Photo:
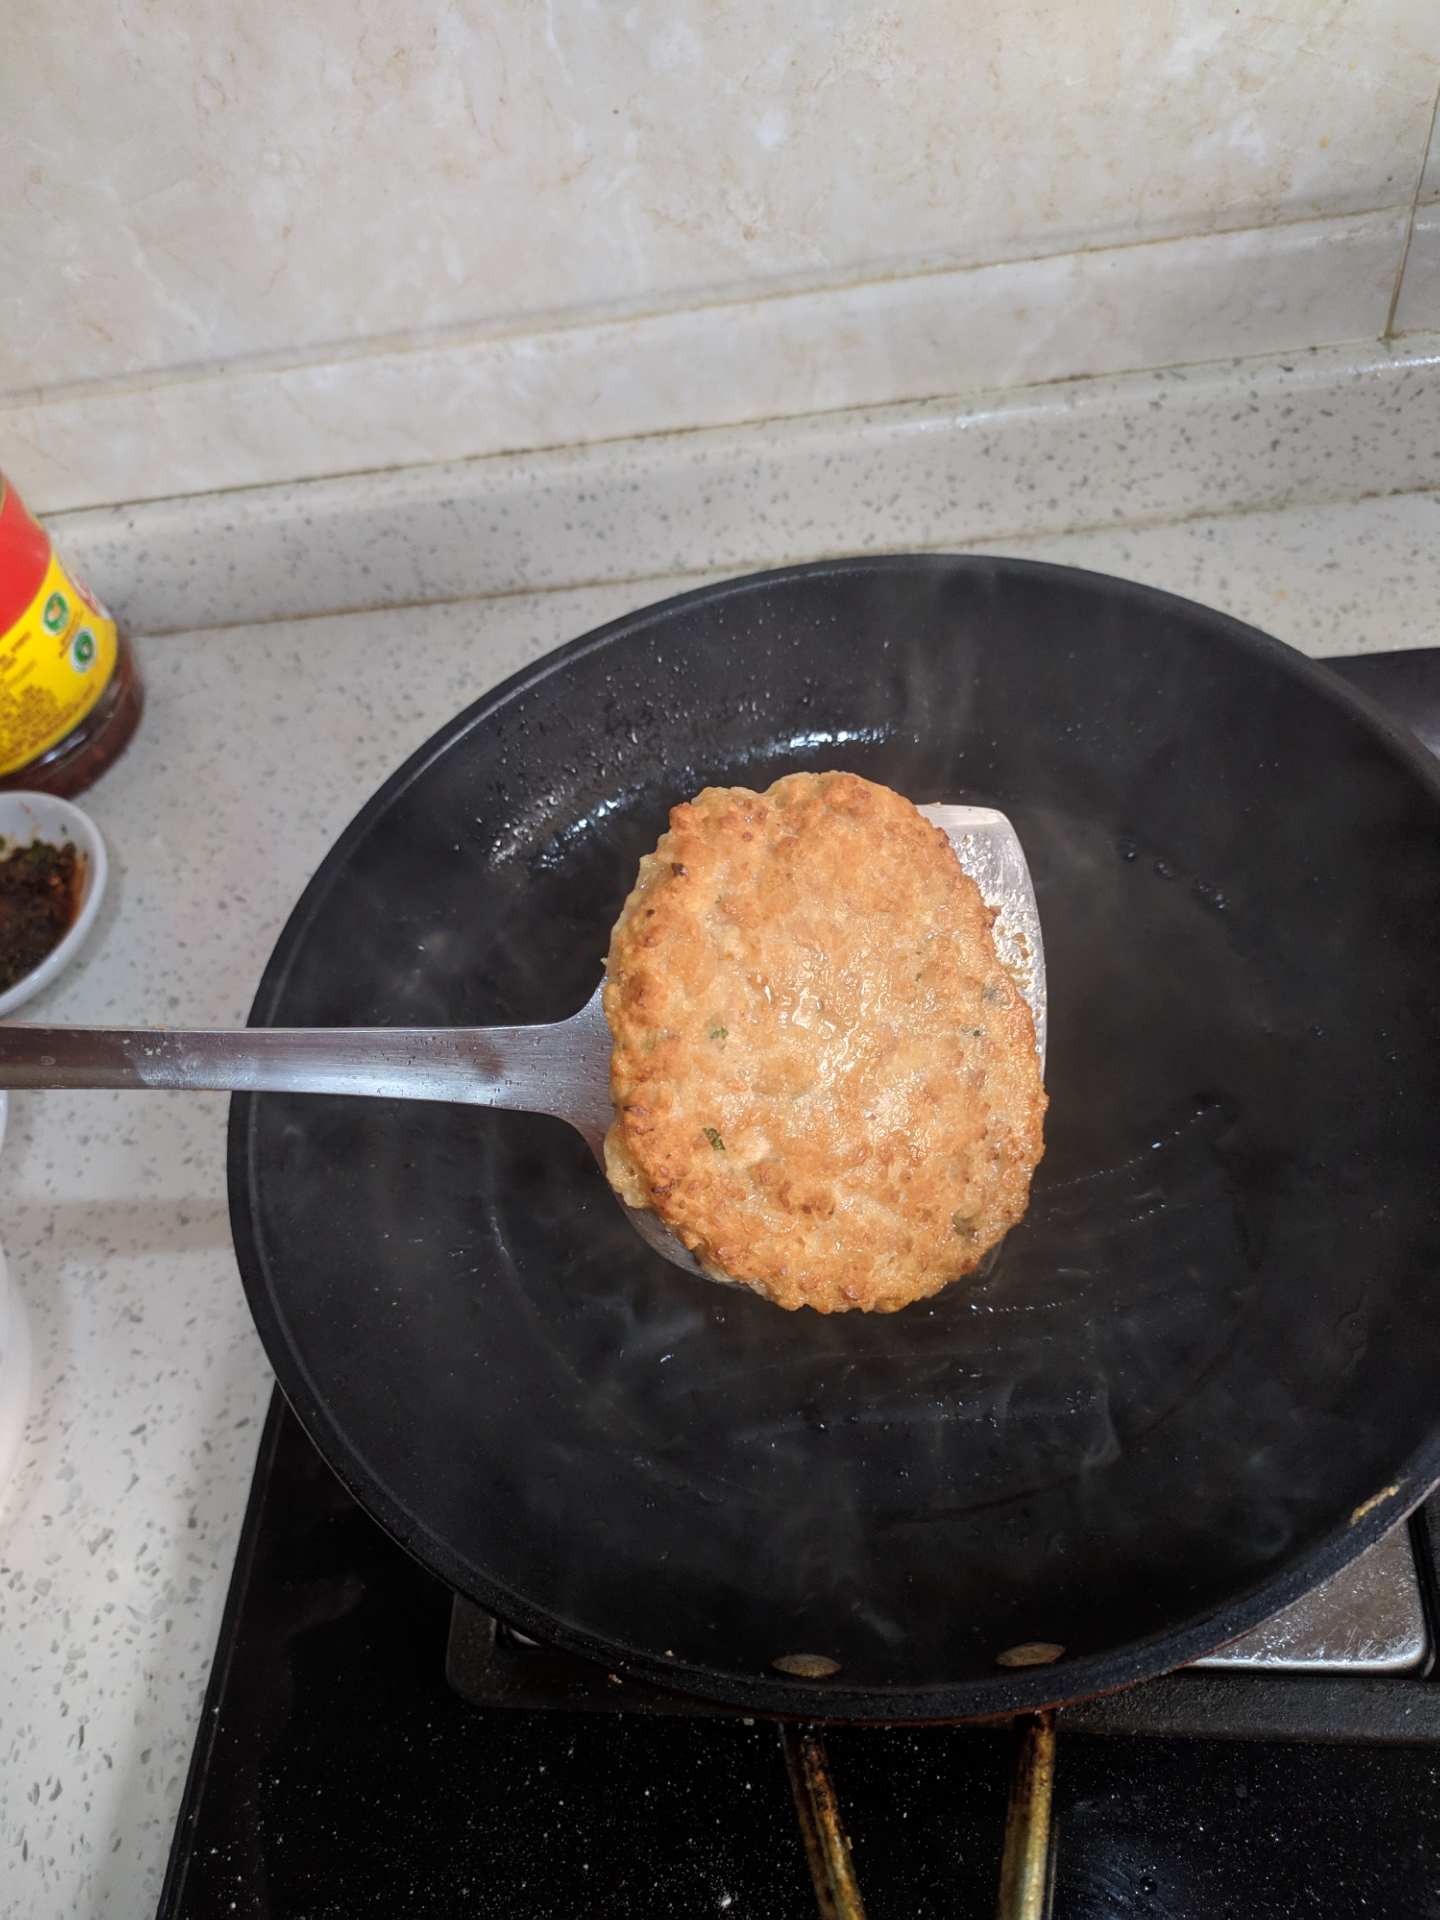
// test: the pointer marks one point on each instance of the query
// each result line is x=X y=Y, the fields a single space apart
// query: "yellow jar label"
x=55 y=662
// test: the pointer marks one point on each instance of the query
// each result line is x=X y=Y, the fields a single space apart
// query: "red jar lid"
x=24 y=556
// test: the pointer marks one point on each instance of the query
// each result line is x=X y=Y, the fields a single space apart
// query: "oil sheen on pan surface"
x=1213 y=1338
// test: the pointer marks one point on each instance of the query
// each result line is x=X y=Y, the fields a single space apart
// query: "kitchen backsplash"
x=247 y=244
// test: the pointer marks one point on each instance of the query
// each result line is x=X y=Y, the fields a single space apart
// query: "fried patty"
x=825 y=1082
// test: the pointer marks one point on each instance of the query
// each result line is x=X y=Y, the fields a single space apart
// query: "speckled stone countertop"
x=118 y=1529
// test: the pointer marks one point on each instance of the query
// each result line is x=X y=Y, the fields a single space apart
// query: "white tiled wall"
x=246 y=242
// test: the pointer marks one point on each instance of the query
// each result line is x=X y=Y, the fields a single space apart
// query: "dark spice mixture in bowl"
x=40 y=888
x=53 y=872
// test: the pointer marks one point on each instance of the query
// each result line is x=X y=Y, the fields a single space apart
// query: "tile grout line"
x=1389 y=332
x=979 y=407
x=553 y=322
x=585 y=385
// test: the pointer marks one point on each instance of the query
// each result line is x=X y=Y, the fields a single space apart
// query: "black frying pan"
x=1210 y=1346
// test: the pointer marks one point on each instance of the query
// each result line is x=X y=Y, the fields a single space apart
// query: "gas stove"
x=373 y=1744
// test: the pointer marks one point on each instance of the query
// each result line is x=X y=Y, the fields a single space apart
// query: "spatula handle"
x=561 y=1069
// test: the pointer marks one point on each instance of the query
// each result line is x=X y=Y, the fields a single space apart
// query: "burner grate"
x=336 y=1772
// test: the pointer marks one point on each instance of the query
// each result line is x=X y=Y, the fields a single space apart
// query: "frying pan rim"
x=1005 y=1692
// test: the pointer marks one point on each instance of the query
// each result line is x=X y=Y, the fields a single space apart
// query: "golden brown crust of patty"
x=825 y=1082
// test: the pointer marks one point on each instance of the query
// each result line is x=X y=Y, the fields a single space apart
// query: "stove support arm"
x=827 y=1846
x=1026 y=1866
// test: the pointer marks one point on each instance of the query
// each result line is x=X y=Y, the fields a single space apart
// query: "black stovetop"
x=338 y=1773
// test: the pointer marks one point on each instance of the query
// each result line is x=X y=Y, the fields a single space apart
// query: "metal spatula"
x=563 y=1069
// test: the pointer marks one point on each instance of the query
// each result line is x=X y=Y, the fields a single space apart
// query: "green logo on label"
x=82 y=650
x=57 y=612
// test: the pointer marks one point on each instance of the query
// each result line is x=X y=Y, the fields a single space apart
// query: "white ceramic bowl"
x=41 y=816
